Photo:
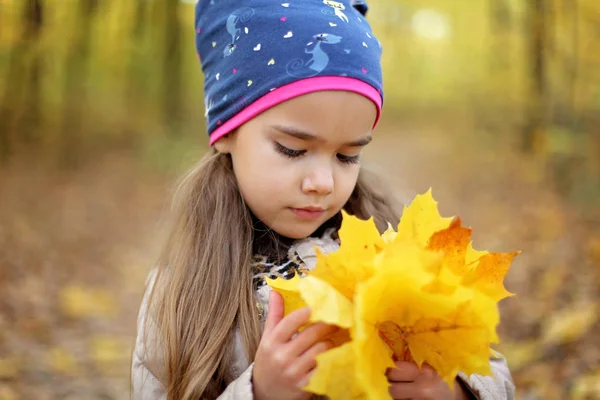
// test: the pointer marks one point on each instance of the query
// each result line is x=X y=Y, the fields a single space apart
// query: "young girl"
x=293 y=92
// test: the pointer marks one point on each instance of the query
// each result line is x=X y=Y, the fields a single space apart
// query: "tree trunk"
x=136 y=84
x=493 y=117
x=171 y=82
x=73 y=87
x=536 y=24
x=573 y=60
x=30 y=120
x=500 y=19
x=15 y=107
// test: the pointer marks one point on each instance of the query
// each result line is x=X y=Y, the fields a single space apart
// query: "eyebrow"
x=302 y=135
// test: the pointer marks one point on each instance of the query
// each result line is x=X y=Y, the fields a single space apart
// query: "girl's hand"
x=284 y=362
x=410 y=382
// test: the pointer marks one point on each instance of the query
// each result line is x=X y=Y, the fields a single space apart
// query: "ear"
x=224 y=144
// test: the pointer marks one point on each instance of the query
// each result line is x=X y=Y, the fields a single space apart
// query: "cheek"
x=346 y=181
x=261 y=173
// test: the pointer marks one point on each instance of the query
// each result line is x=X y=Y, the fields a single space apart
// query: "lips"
x=312 y=209
x=309 y=213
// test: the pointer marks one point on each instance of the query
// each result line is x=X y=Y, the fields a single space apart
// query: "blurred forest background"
x=495 y=104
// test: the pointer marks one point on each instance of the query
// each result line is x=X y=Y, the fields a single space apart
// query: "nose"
x=319 y=181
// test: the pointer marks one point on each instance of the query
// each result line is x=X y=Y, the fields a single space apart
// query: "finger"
x=290 y=324
x=428 y=372
x=403 y=391
x=404 y=372
x=305 y=380
x=307 y=361
x=427 y=369
x=275 y=312
x=308 y=337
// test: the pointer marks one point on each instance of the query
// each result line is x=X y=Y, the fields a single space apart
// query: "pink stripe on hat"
x=295 y=89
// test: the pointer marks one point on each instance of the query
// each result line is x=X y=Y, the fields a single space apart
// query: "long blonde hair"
x=204 y=291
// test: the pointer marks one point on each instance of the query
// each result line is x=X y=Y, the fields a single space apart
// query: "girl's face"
x=297 y=163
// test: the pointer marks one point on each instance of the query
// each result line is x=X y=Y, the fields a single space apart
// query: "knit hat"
x=256 y=54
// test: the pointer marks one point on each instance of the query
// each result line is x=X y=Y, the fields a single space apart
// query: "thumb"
x=276 y=311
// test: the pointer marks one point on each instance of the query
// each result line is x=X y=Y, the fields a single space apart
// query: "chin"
x=297 y=232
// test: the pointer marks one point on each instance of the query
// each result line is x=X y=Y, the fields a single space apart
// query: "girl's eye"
x=291 y=153
x=348 y=159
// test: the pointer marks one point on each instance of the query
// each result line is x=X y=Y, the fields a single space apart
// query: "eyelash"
x=290 y=153
x=348 y=159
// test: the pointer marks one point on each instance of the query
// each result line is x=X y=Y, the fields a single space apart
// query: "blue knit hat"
x=258 y=53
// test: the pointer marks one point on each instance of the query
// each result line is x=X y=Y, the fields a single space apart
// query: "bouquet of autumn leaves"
x=420 y=294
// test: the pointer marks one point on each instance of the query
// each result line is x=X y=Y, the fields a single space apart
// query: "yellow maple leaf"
x=389 y=235
x=472 y=256
x=374 y=357
x=488 y=274
x=352 y=263
x=420 y=220
x=420 y=294
x=480 y=269
x=325 y=302
x=342 y=271
x=361 y=238
x=339 y=337
x=288 y=289
x=327 y=380
x=453 y=243
x=429 y=324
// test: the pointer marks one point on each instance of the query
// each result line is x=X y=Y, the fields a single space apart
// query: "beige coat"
x=146 y=378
